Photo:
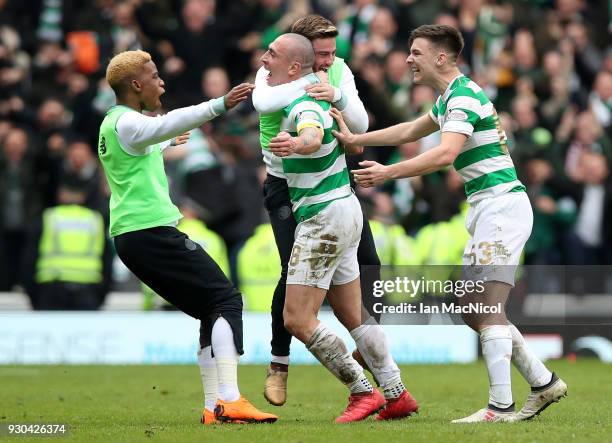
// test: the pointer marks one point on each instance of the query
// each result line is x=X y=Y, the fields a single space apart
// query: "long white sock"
x=208 y=371
x=497 y=350
x=530 y=367
x=331 y=351
x=373 y=346
x=226 y=358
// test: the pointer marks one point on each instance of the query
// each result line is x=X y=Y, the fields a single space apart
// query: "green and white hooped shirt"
x=315 y=180
x=484 y=162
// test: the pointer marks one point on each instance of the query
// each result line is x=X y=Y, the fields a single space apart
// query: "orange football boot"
x=241 y=411
x=208 y=417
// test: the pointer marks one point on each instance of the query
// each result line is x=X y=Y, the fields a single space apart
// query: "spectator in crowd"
x=553 y=210
x=587 y=57
x=195 y=47
x=589 y=243
x=354 y=25
x=82 y=168
x=125 y=31
x=559 y=100
x=586 y=136
x=525 y=56
x=20 y=201
x=397 y=80
x=529 y=137
x=382 y=31
x=600 y=99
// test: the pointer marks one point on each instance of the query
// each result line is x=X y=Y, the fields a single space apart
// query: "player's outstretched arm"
x=267 y=99
x=443 y=155
x=391 y=136
x=308 y=141
x=137 y=131
x=238 y=94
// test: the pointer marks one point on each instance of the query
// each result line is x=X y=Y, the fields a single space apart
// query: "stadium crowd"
x=544 y=63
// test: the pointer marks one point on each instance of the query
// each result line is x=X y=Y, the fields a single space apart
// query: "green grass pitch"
x=162 y=403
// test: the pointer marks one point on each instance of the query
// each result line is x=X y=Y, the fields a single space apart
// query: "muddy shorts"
x=325 y=247
x=499 y=227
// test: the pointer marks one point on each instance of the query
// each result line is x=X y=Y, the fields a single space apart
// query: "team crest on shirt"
x=457 y=115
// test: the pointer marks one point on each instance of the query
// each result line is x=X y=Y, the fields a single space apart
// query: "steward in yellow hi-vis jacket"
x=69 y=248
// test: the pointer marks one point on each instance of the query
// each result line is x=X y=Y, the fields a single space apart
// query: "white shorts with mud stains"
x=499 y=227
x=325 y=247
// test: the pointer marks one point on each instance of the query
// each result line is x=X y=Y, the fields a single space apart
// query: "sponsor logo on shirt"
x=102 y=146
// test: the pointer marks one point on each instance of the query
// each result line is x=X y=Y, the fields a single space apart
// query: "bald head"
x=299 y=49
x=288 y=58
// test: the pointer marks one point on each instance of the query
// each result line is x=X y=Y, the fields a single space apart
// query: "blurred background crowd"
x=546 y=64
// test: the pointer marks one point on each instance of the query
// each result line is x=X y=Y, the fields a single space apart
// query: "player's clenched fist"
x=283 y=144
x=238 y=94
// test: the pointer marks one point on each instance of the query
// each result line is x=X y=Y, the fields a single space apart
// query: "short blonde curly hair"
x=124 y=66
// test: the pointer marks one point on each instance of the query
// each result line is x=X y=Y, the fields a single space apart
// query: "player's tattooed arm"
x=307 y=142
x=311 y=140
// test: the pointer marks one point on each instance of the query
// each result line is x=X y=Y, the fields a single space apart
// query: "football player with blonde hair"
x=143 y=223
